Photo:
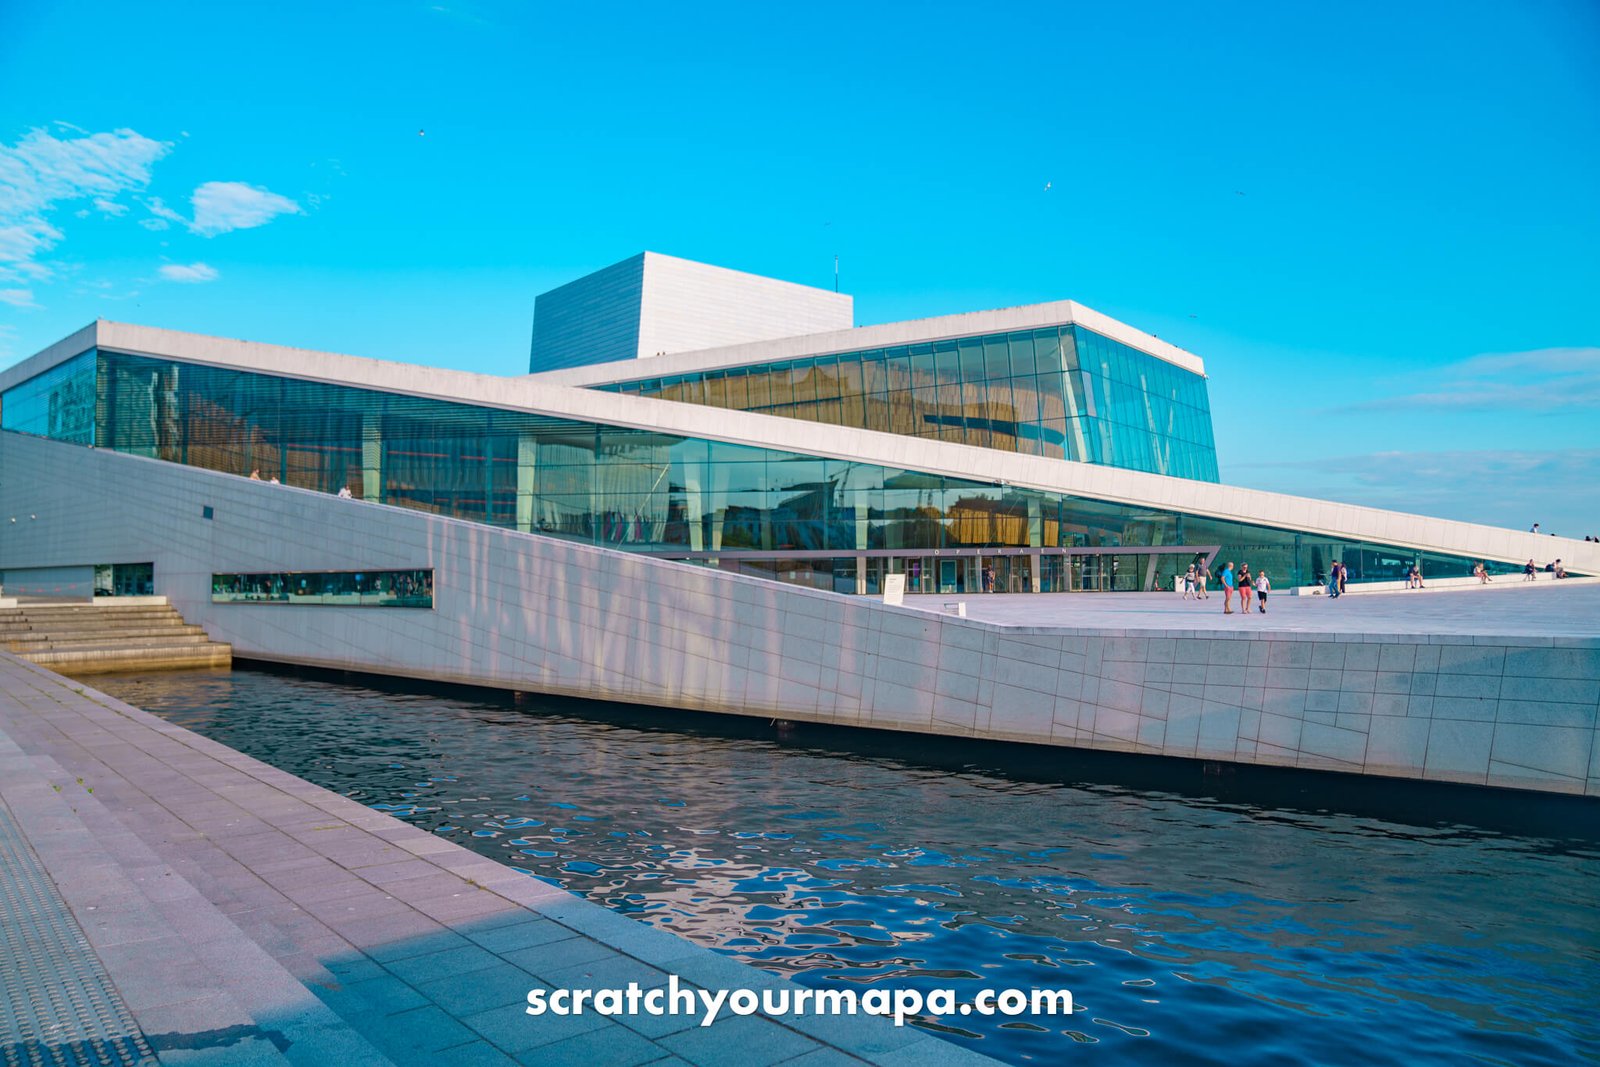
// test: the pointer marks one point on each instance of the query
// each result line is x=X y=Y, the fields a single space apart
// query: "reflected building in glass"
x=1038 y=449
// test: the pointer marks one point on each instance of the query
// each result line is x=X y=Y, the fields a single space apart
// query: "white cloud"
x=17 y=298
x=163 y=213
x=110 y=207
x=20 y=242
x=193 y=272
x=42 y=171
x=1512 y=488
x=1545 y=379
x=223 y=206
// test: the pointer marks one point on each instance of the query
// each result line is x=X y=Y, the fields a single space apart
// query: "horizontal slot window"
x=342 y=589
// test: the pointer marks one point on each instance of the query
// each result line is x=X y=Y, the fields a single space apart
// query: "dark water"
x=1197 y=928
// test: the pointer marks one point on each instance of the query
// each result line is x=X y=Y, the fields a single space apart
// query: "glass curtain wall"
x=785 y=515
x=1063 y=392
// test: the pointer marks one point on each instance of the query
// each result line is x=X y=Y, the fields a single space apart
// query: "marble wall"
x=529 y=613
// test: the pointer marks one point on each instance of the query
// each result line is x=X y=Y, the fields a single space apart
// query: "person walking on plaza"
x=1263 y=587
x=1344 y=572
x=1188 y=582
x=1246 y=590
x=1530 y=572
x=1227 y=588
x=1202 y=577
x=1333 y=581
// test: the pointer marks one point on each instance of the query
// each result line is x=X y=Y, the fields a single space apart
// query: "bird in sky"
x=422 y=133
x=1047 y=187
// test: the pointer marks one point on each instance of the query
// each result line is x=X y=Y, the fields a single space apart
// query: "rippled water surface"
x=1200 y=928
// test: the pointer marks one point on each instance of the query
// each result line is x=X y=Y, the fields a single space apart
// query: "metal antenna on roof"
x=836 y=274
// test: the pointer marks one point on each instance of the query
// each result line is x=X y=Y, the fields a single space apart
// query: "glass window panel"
x=996 y=358
x=923 y=375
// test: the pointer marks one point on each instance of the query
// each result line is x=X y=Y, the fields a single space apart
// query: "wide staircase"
x=80 y=638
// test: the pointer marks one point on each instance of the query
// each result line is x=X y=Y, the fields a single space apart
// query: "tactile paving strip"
x=57 y=1005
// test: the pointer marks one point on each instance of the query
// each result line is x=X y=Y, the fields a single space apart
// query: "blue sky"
x=1378 y=224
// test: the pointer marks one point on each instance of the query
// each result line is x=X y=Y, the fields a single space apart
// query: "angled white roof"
x=1026 y=317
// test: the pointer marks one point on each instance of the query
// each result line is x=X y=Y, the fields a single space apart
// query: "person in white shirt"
x=1263 y=587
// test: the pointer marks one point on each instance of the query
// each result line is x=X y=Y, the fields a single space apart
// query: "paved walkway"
x=1509 y=607
x=239 y=915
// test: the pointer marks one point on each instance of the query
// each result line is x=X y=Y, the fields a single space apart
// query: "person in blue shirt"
x=1227 y=589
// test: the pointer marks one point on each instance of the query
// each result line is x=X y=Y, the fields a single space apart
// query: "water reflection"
x=1189 y=929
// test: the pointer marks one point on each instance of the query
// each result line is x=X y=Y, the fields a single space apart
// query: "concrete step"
x=66 y=614
x=89 y=623
x=107 y=660
x=43 y=642
x=61 y=633
x=98 y=638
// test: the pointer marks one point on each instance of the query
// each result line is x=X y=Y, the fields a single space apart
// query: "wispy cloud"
x=1559 y=489
x=192 y=272
x=461 y=12
x=42 y=171
x=17 y=298
x=1546 y=379
x=220 y=207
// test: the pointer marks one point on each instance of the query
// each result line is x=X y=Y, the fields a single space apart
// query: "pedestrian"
x=1344 y=572
x=255 y=474
x=1246 y=588
x=988 y=578
x=1227 y=588
x=1534 y=528
x=1333 y=581
x=1188 y=582
x=1202 y=576
x=1263 y=587
x=1529 y=571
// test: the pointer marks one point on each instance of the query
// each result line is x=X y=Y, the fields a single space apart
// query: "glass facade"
x=830 y=523
x=1063 y=392
x=345 y=589
x=60 y=403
